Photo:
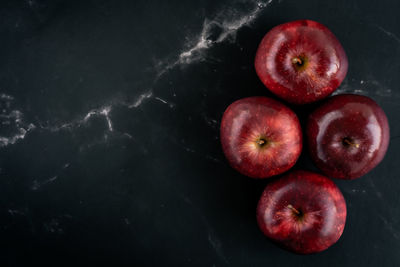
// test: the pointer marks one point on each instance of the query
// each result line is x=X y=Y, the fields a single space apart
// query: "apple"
x=348 y=136
x=260 y=137
x=301 y=61
x=304 y=212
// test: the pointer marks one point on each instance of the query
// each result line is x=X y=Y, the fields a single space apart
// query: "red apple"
x=348 y=136
x=260 y=137
x=304 y=212
x=301 y=61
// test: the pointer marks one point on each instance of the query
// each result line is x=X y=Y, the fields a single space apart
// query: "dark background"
x=109 y=146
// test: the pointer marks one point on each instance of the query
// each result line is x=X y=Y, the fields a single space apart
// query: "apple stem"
x=293 y=209
x=297 y=61
x=350 y=143
x=261 y=142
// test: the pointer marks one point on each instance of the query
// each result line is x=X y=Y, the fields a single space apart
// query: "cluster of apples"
x=347 y=136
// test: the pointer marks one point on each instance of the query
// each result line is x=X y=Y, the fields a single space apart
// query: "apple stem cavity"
x=350 y=143
x=261 y=142
x=297 y=61
x=300 y=62
x=298 y=213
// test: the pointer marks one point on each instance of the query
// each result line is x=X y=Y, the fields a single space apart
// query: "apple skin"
x=303 y=211
x=301 y=61
x=348 y=136
x=260 y=137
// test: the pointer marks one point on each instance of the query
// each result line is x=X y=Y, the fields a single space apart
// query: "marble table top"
x=109 y=137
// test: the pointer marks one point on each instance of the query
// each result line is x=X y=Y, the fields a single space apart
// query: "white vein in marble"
x=369 y=86
x=12 y=122
x=390 y=227
x=37 y=184
x=222 y=27
x=141 y=99
x=170 y=104
x=389 y=34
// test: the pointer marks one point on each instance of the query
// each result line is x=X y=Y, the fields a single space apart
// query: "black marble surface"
x=109 y=147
